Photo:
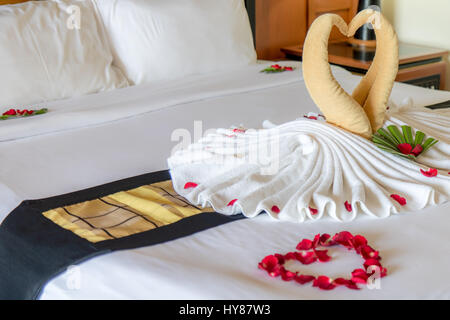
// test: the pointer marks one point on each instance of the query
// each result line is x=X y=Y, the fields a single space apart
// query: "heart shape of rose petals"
x=308 y=253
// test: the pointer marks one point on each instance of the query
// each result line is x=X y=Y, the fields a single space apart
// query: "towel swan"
x=323 y=168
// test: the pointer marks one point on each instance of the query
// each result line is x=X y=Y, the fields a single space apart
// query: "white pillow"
x=166 y=39
x=42 y=59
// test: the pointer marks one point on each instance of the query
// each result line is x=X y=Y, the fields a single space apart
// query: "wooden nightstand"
x=418 y=65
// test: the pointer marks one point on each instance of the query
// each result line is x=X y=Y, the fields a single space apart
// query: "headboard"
x=11 y=1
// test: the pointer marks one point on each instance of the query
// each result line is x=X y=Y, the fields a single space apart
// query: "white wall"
x=424 y=22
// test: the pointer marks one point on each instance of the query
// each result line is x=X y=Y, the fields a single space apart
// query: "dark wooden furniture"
x=279 y=23
x=418 y=65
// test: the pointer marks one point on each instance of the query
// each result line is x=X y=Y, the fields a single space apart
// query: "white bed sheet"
x=48 y=158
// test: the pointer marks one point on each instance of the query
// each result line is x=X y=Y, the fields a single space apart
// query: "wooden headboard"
x=11 y=1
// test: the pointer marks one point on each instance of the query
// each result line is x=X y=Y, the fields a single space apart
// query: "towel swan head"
x=364 y=111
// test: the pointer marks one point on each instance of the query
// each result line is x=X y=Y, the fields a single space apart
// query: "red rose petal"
x=358 y=241
x=399 y=199
x=344 y=238
x=189 y=185
x=315 y=241
x=368 y=252
x=290 y=256
x=313 y=211
x=306 y=257
x=324 y=283
x=417 y=150
x=287 y=275
x=341 y=281
x=371 y=262
x=302 y=279
x=322 y=255
x=275 y=209
x=326 y=240
x=305 y=244
x=359 y=276
x=10 y=112
x=231 y=202
x=430 y=173
x=348 y=206
x=351 y=285
x=280 y=258
x=271 y=265
x=405 y=148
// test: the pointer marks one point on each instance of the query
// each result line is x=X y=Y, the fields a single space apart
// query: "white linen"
x=205 y=265
x=160 y=39
x=306 y=163
x=111 y=106
x=42 y=59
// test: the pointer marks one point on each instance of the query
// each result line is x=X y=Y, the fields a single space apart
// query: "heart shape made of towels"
x=364 y=111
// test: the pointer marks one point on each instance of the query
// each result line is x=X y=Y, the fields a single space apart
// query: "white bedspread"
x=101 y=138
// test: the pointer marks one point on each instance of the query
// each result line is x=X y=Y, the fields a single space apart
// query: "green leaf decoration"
x=407 y=133
x=396 y=134
x=403 y=143
x=419 y=137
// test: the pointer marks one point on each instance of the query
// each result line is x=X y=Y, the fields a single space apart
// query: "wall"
x=424 y=22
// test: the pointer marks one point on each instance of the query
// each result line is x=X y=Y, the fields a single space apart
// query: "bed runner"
x=41 y=238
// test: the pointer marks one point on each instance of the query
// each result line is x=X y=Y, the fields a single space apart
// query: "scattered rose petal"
x=275 y=209
x=189 y=185
x=10 y=112
x=305 y=244
x=344 y=282
x=351 y=285
x=399 y=199
x=313 y=211
x=271 y=265
x=430 y=173
x=315 y=241
x=290 y=256
x=405 y=148
x=344 y=238
x=326 y=240
x=322 y=255
x=231 y=202
x=358 y=241
x=306 y=257
x=359 y=276
x=348 y=206
x=417 y=150
x=302 y=279
x=280 y=258
x=371 y=262
x=367 y=252
x=324 y=283
x=287 y=275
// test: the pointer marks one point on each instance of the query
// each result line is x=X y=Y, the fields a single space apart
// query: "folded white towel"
x=307 y=168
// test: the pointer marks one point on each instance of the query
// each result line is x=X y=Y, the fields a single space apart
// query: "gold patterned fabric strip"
x=125 y=213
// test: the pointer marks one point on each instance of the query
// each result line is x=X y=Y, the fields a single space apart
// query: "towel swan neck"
x=362 y=113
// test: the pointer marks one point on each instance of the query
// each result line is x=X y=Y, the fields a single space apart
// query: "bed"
x=100 y=138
